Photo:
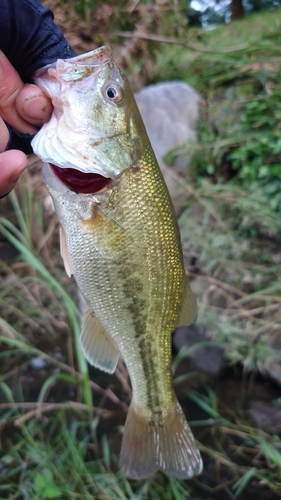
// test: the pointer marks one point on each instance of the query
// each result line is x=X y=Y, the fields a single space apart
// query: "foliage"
x=219 y=11
x=165 y=16
x=243 y=145
x=239 y=131
x=238 y=288
x=258 y=157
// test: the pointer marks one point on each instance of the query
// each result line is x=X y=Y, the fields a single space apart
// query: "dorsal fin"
x=188 y=312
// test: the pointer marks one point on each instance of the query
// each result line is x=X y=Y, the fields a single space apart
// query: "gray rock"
x=170 y=112
x=204 y=354
x=265 y=414
x=271 y=368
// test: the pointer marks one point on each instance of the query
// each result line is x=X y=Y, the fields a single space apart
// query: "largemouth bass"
x=120 y=240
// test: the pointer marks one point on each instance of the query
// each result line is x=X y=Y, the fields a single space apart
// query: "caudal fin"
x=167 y=445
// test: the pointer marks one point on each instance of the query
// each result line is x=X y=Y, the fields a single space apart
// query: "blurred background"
x=207 y=80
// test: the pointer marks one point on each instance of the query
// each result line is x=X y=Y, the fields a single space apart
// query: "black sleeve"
x=29 y=38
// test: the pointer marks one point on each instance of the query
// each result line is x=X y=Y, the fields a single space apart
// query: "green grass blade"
x=7 y=230
x=242 y=483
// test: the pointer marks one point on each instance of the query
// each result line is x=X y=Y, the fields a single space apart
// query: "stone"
x=204 y=354
x=265 y=414
x=271 y=368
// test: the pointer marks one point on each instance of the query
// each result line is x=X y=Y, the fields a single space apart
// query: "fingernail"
x=37 y=107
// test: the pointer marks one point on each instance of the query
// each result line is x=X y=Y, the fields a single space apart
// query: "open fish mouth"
x=80 y=182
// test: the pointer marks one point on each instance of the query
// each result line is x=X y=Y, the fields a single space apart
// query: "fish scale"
x=123 y=247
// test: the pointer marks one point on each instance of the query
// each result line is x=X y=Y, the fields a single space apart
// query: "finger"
x=10 y=86
x=33 y=105
x=4 y=135
x=12 y=165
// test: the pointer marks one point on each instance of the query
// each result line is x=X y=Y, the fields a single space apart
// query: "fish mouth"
x=80 y=182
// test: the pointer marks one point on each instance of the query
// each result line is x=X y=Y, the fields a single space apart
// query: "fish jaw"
x=88 y=130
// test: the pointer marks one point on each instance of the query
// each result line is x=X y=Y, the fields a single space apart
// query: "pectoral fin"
x=97 y=346
x=188 y=312
x=112 y=237
x=64 y=253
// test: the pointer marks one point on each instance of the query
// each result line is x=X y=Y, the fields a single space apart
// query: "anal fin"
x=64 y=253
x=97 y=346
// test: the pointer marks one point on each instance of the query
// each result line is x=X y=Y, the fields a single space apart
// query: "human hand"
x=24 y=108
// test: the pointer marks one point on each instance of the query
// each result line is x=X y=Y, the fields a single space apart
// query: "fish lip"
x=92 y=58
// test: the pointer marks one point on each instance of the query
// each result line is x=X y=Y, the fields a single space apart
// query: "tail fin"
x=168 y=446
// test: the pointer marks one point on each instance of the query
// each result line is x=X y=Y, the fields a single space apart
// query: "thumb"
x=34 y=106
x=10 y=86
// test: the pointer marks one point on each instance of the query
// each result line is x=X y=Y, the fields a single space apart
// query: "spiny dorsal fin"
x=64 y=253
x=188 y=312
x=97 y=346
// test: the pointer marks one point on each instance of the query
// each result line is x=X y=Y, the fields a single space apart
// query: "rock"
x=37 y=363
x=170 y=112
x=264 y=414
x=207 y=357
x=271 y=368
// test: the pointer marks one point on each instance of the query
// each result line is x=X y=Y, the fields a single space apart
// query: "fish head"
x=95 y=127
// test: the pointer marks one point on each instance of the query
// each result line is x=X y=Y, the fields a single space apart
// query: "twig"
x=219 y=283
x=46 y=407
x=166 y=39
x=254 y=297
x=193 y=192
x=38 y=408
x=252 y=312
x=63 y=366
x=121 y=373
x=234 y=432
x=219 y=291
x=134 y=4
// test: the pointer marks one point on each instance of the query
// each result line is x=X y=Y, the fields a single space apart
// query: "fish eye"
x=114 y=93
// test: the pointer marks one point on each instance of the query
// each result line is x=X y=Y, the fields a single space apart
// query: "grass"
x=240 y=286
x=240 y=50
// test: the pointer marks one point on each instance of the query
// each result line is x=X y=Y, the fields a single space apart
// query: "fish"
x=121 y=242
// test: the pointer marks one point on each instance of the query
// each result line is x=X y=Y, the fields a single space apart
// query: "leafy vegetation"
x=243 y=145
x=61 y=422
